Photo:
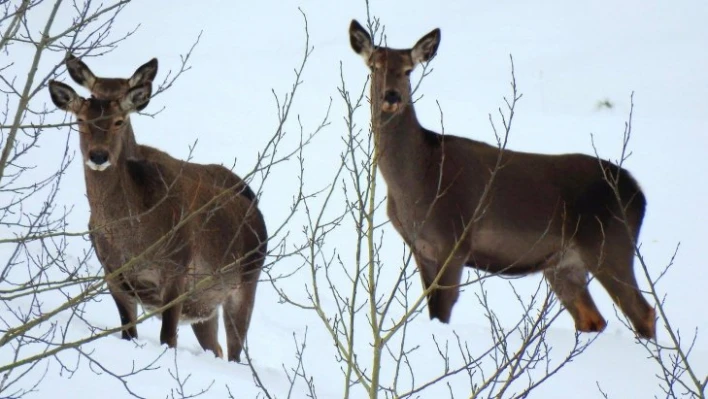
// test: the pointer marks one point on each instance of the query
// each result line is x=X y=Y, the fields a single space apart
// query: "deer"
x=173 y=239
x=114 y=88
x=554 y=214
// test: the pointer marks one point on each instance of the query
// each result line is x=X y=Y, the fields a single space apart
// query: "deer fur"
x=192 y=242
x=552 y=213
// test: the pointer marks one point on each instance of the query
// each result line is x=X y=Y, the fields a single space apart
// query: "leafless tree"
x=44 y=287
x=368 y=304
x=676 y=375
x=34 y=241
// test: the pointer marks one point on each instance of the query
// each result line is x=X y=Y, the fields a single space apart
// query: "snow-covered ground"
x=568 y=57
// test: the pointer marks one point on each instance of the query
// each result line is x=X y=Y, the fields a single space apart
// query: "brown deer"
x=552 y=213
x=115 y=88
x=193 y=244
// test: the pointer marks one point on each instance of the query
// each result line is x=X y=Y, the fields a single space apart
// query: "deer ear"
x=427 y=46
x=360 y=40
x=64 y=97
x=137 y=98
x=79 y=72
x=144 y=74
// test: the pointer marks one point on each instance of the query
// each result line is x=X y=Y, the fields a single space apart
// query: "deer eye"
x=376 y=65
x=119 y=122
x=408 y=71
x=80 y=120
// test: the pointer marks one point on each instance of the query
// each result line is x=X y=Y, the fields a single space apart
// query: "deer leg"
x=445 y=293
x=612 y=265
x=427 y=275
x=570 y=284
x=127 y=305
x=237 y=316
x=170 y=316
x=207 y=333
x=127 y=309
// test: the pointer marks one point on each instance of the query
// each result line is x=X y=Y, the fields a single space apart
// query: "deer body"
x=524 y=200
x=190 y=243
x=140 y=202
x=550 y=213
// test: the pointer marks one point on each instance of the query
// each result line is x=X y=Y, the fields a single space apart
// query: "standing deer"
x=180 y=241
x=552 y=213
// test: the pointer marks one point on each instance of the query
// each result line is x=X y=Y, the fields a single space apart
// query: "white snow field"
x=568 y=56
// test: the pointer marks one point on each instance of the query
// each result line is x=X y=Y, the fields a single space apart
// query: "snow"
x=568 y=57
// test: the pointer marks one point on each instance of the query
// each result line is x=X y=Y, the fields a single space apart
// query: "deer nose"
x=98 y=157
x=392 y=97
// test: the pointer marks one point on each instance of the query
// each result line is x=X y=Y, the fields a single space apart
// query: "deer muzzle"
x=391 y=101
x=98 y=160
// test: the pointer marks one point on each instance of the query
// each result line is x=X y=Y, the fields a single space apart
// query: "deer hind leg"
x=127 y=309
x=207 y=333
x=569 y=281
x=441 y=299
x=612 y=265
x=237 y=316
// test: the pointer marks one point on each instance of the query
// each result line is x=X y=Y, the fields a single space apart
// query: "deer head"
x=391 y=68
x=109 y=88
x=102 y=123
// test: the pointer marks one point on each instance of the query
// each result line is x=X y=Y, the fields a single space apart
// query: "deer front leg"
x=433 y=265
x=170 y=316
x=127 y=309
x=444 y=295
x=120 y=291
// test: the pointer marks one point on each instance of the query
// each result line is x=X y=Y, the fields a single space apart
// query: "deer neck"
x=130 y=146
x=401 y=147
x=113 y=193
